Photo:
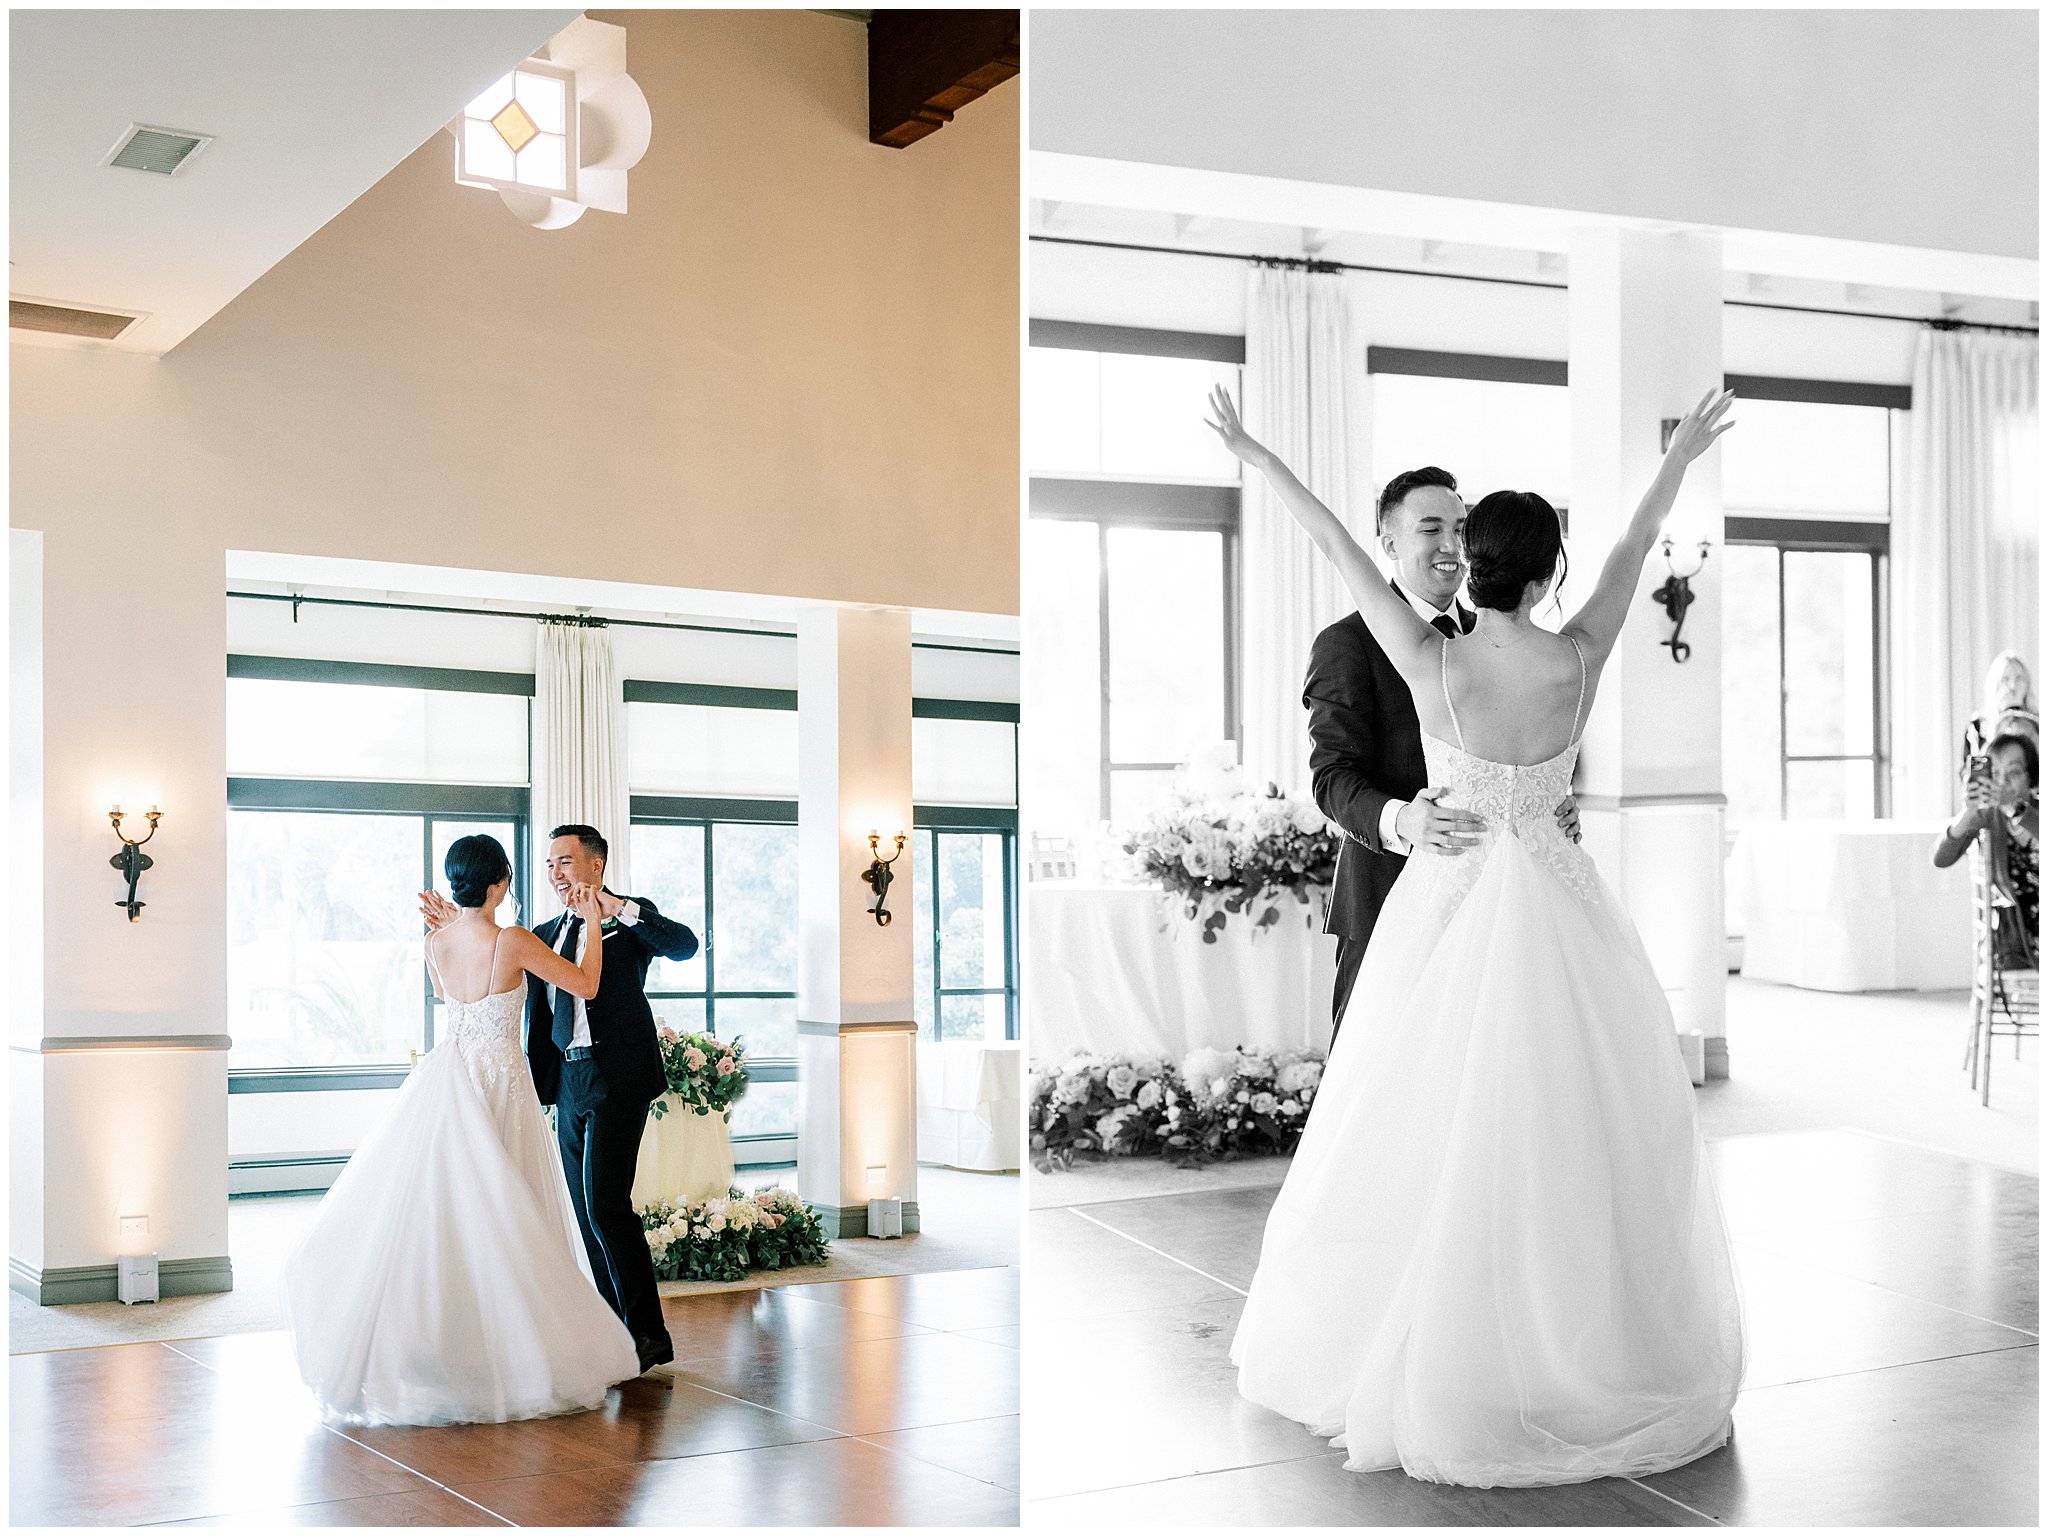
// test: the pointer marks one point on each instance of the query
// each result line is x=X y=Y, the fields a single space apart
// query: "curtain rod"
x=1315 y=264
x=587 y=620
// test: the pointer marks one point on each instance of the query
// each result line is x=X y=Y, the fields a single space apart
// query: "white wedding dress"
x=1499 y=1258
x=444 y=1280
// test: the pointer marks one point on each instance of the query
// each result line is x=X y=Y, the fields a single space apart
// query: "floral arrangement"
x=1214 y=1105
x=705 y=1074
x=723 y=1239
x=1233 y=850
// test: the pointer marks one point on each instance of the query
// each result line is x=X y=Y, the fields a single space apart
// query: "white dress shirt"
x=1390 y=839
x=629 y=914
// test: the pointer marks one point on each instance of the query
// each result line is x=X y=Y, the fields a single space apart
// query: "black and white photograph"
x=1529 y=787
x=513 y=695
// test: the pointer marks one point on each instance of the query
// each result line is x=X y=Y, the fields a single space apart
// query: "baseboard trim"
x=852 y=1220
x=97 y=1282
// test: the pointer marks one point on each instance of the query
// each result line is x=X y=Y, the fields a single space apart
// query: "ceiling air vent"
x=24 y=315
x=160 y=151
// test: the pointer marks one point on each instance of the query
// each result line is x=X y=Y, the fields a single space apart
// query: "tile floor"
x=889 y=1400
x=1892 y=1307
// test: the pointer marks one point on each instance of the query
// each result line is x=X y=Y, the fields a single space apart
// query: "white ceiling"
x=309 y=110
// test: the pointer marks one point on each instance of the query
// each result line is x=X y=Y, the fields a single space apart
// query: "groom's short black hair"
x=591 y=839
x=1410 y=480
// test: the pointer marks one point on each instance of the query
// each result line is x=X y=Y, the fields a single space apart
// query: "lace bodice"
x=1506 y=794
x=488 y=1035
x=1518 y=801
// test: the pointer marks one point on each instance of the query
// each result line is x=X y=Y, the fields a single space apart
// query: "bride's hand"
x=587 y=904
x=1223 y=422
x=1696 y=433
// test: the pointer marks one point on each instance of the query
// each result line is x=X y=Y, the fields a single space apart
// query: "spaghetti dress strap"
x=1576 y=708
x=1444 y=671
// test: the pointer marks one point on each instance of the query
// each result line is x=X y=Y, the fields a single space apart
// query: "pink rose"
x=668 y=1032
x=693 y=1058
x=726 y=1066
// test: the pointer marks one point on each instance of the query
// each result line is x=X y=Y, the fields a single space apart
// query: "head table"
x=1849 y=906
x=1122 y=969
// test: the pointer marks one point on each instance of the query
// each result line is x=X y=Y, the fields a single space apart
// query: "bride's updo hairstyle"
x=1511 y=539
x=475 y=864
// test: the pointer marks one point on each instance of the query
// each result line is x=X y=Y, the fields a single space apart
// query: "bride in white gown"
x=1499 y=1258
x=444 y=1280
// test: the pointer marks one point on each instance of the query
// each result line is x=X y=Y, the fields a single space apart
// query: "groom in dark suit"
x=1366 y=765
x=599 y=1064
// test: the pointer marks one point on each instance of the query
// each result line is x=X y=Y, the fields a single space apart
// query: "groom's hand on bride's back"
x=1568 y=817
x=1422 y=822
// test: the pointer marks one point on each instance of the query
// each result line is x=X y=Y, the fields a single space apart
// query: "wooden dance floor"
x=886 y=1401
x=1890 y=1294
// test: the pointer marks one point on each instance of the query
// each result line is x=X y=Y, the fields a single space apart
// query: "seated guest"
x=2008 y=708
x=2005 y=806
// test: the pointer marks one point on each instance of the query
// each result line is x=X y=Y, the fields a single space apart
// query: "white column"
x=1645 y=344
x=856 y=1029
x=118 y=1070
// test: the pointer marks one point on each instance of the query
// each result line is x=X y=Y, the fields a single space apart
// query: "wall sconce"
x=1676 y=596
x=878 y=877
x=131 y=860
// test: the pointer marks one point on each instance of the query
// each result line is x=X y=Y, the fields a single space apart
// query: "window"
x=347 y=785
x=1496 y=423
x=1130 y=556
x=1807 y=488
x=521 y=133
x=966 y=942
x=733 y=881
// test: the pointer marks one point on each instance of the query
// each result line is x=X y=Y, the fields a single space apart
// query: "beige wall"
x=791 y=367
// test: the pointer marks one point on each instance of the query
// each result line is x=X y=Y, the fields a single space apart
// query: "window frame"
x=431 y=803
x=932 y=822
x=1150 y=502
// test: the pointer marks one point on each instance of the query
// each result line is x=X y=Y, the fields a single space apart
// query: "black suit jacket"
x=1367 y=750
x=621 y=1022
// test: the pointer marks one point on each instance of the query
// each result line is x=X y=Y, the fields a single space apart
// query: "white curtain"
x=579 y=744
x=1304 y=397
x=1966 y=550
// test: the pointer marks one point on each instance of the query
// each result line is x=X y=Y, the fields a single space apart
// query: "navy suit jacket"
x=1367 y=750
x=621 y=1022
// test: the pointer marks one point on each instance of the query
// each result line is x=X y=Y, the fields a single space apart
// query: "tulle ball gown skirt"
x=444 y=1280
x=1499 y=1258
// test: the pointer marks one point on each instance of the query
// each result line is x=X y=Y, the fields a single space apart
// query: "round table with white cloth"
x=1849 y=906
x=684 y=1157
x=1123 y=970
x=969 y=1104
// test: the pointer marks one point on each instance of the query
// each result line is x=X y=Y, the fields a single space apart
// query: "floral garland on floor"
x=705 y=1074
x=1228 y=852
x=723 y=1239
x=1214 y=1105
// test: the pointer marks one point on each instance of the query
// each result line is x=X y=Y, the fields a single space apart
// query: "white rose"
x=1148 y=1096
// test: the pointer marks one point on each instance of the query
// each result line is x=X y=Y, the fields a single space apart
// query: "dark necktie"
x=1446 y=626
x=570 y=924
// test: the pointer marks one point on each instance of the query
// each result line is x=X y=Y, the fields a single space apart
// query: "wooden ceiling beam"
x=923 y=66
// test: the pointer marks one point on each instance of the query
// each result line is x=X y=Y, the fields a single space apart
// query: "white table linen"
x=1121 y=969
x=1849 y=906
x=970 y=1104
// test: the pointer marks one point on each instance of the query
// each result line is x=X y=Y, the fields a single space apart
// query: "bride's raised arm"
x=1598 y=623
x=1410 y=644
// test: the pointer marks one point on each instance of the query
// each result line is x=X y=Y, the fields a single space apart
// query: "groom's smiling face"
x=1424 y=537
x=570 y=863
